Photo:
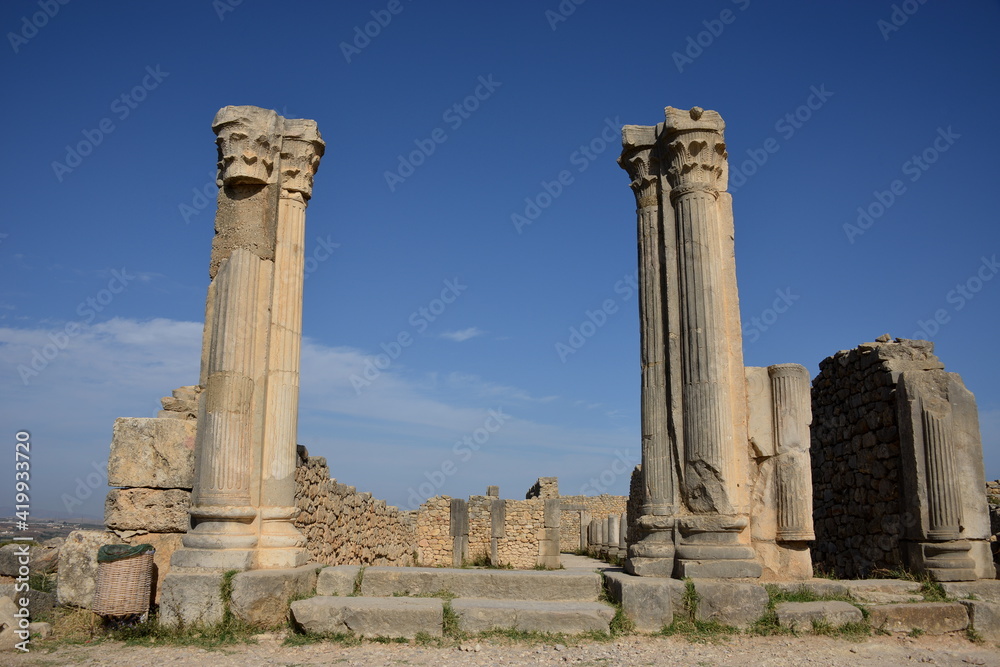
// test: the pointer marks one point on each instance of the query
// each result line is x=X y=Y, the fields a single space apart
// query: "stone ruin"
x=725 y=488
x=734 y=482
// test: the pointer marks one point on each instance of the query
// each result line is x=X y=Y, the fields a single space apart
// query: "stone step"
x=932 y=618
x=480 y=615
x=800 y=615
x=370 y=617
x=471 y=583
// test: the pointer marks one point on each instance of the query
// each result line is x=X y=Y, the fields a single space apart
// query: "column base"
x=945 y=561
x=710 y=548
x=277 y=530
x=212 y=560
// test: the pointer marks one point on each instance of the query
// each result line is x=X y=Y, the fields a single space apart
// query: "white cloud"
x=388 y=439
x=463 y=335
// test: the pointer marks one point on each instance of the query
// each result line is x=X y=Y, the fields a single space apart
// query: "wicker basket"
x=123 y=586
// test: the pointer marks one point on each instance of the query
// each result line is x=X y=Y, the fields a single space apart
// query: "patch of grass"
x=41 y=581
x=698 y=632
x=449 y=622
x=933 y=591
x=621 y=624
x=819 y=572
x=768 y=624
x=973 y=636
x=915 y=632
x=852 y=631
x=357 y=582
x=892 y=573
x=390 y=640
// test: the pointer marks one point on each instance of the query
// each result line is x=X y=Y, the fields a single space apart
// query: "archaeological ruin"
x=748 y=474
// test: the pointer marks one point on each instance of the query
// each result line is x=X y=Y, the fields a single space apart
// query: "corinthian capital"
x=692 y=144
x=301 y=150
x=248 y=138
x=639 y=160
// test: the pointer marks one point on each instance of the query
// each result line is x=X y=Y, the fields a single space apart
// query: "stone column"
x=792 y=414
x=230 y=422
x=281 y=543
x=584 y=530
x=613 y=536
x=943 y=508
x=692 y=144
x=653 y=550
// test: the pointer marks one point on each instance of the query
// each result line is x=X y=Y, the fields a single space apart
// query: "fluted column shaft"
x=943 y=500
x=791 y=418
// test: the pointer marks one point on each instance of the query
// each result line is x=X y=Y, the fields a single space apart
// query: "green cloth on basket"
x=109 y=553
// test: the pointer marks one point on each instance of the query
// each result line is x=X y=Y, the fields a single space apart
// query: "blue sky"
x=106 y=230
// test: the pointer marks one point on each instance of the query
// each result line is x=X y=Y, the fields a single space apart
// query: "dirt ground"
x=741 y=651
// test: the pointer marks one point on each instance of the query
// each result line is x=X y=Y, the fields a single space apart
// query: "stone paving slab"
x=884 y=591
x=370 y=617
x=800 y=615
x=480 y=615
x=933 y=618
x=472 y=583
x=649 y=601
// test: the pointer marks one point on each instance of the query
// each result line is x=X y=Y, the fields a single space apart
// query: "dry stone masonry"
x=898 y=465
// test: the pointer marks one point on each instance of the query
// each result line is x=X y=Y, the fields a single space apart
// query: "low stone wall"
x=345 y=527
x=481 y=527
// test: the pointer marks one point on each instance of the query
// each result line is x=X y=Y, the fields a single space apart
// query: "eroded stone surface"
x=370 y=617
x=78 y=566
x=154 y=453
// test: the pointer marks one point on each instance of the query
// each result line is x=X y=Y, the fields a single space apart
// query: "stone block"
x=261 y=597
x=494 y=584
x=155 y=510
x=730 y=603
x=984 y=589
x=718 y=569
x=78 y=566
x=551 y=513
x=370 y=617
x=191 y=599
x=649 y=601
x=826 y=587
x=337 y=580
x=8 y=624
x=984 y=618
x=40 y=559
x=40 y=630
x=40 y=603
x=933 y=618
x=481 y=615
x=884 y=591
x=650 y=567
x=155 y=453
x=800 y=615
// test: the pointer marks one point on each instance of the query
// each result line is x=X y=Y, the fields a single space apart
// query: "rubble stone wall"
x=435 y=546
x=345 y=527
x=524 y=525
